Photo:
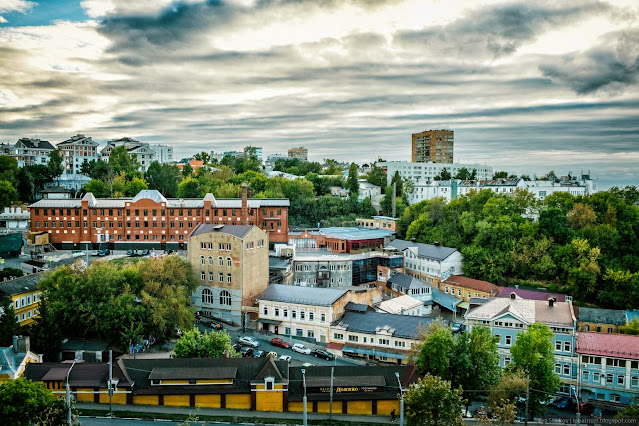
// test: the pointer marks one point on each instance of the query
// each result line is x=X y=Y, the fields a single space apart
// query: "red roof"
x=608 y=344
x=337 y=346
x=473 y=284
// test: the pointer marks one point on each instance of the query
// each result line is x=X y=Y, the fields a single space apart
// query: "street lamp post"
x=304 y=419
x=573 y=388
x=401 y=401
x=69 y=393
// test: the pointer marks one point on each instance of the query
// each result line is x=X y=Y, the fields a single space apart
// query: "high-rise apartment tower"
x=435 y=146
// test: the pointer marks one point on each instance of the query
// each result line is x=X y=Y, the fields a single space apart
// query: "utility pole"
x=305 y=416
x=394 y=195
x=110 y=381
x=527 y=398
x=330 y=408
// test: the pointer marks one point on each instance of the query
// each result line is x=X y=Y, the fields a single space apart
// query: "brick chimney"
x=244 y=220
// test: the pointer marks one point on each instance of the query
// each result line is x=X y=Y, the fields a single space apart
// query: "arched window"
x=211 y=260
x=225 y=298
x=228 y=261
x=220 y=261
x=202 y=260
x=207 y=296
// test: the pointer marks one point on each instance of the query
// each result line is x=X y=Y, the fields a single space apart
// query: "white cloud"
x=102 y=8
x=21 y=6
x=2 y=20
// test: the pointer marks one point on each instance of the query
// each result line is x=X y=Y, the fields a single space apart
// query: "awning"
x=363 y=351
x=268 y=321
x=464 y=305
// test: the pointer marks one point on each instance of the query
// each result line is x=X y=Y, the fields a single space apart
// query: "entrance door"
x=277 y=330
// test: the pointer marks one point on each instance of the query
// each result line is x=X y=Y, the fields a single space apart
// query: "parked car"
x=77 y=254
x=102 y=253
x=281 y=343
x=132 y=253
x=145 y=252
x=248 y=341
x=237 y=347
x=308 y=364
x=257 y=353
x=298 y=347
x=458 y=328
x=585 y=408
x=214 y=325
x=563 y=403
x=247 y=352
x=322 y=353
x=286 y=358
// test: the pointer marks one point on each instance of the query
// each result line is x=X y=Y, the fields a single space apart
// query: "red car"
x=281 y=343
x=585 y=408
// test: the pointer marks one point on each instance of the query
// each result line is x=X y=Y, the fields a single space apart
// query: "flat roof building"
x=433 y=146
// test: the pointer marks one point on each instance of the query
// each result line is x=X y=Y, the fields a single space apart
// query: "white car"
x=285 y=358
x=248 y=341
x=298 y=347
x=308 y=364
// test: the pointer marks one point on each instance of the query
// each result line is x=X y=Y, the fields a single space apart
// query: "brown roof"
x=559 y=313
x=160 y=373
x=473 y=284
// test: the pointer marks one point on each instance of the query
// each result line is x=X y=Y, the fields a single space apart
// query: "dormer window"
x=269 y=383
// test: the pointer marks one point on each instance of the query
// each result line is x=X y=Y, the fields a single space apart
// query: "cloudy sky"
x=527 y=86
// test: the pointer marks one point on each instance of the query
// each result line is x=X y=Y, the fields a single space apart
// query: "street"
x=103 y=421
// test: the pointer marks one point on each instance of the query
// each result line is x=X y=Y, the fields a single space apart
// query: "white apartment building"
x=427 y=262
x=139 y=151
x=77 y=150
x=499 y=186
x=583 y=186
x=438 y=188
x=292 y=311
x=31 y=152
x=422 y=173
x=163 y=154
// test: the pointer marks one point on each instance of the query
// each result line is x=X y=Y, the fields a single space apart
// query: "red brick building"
x=149 y=220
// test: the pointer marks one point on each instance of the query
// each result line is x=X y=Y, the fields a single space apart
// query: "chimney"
x=436 y=243
x=513 y=295
x=21 y=344
x=551 y=301
x=244 y=220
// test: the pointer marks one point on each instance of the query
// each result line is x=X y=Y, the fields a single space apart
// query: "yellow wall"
x=385 y=407
x=86 y=397
x=177 y=400
x=269 y=401
x=238 y=401
x=325 y=407
x=593 y=327
x=209 y=381
x=145 y=399
x=209 y=401
x=118 y=398
x=296 y=406
x=175 y=382
x=27 y=308
x=360 y=407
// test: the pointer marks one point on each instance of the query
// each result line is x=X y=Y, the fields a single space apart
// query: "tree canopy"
x=23 y=402
x=432 y=401
x=194 y=344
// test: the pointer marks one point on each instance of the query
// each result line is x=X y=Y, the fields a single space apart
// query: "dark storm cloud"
x=497 y=30
x=611 y=66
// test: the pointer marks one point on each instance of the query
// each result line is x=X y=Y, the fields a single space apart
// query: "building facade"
x=341 y=239
x=299 y=153
x=77 y=150
x=423 y=173
x=163 y=154
x=25 y=297
x=427 y=262
x=31 y=152
x=14 y=219
x=231 y=264
x=149 y=220
x=600 y=320
x=507 y=317
x=293 y=311
x=139 y=151
x=446 y=189
x=466 y=288
x=432 y=146
x=15 y=358
x=378 y=222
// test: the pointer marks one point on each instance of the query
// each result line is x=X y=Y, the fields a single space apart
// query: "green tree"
x=121 y=161
x=189 y=188
x=8 y=194
x=163 y=177
x=463 y=174
x=26 y=185
x=9 y=169
x=443 y=175
x=55 y=164
x=352 y=183
x=46 y=333
x=23 y=402
x=399 y=184
x=631 y=327
x=194 y=344
x=581 y=216
x=9 y=326
x=377 y=176
x=631 y=411
x=500 y=175
x=98 y=188
x=433 y=356
x=187 y=170
x=203 y=156
x=511 y=387
x=134 y=186
x=431 y=401
x=532 y=353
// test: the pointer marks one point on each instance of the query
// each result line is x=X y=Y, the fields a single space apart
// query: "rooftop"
x=21 y=285
x=301 y=295
x=423 y=250
x=397 y=305
x=530 y=294
x=369 y=322
x=494 y=182
x=602 y=316
x=605 y=344
x=354 y=233
x=444 y=299
x=238 y=231
x=528 y=311
x=404 y=281
x=478 y=285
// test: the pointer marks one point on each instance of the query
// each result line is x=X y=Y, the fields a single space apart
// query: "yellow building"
x=14 y=359
x=24 y=296
x=258 y=384
x=466 y=288
x=600 y=320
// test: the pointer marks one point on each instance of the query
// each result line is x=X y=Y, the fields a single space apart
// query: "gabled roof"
x=34 y=143
x=356 y=307
x=530 y=294
x=151 y=194
x=238 y=231
x=608 y=344
x=82 y=374
x=269 y=370
x=529 y=311
x=405 y=281
x=21 y=285
x=602 y=316
x=398 y=304
x=403 y=326
x=473 y=284
x=423 y=250
x=172 y=373
x=444 y=299
x=302 y=295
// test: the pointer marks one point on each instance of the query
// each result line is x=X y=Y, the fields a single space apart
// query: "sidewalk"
x=235 y=416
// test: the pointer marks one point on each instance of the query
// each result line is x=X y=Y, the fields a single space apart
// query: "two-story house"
x=507 y=317
x=24 y=295
x=600 y=320
x=431 y=263
x=466 y=288
x=608 y=367
x=308 y=311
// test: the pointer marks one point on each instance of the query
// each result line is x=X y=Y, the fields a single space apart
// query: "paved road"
x=103 y=421
x=297 y=359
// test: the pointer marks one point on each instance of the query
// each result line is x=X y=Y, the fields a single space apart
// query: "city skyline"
x=527 y=87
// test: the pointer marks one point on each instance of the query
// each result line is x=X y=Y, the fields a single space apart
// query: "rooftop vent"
x=436 y=243
x=513 y=295
x=551 y=301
